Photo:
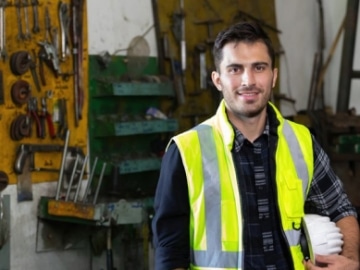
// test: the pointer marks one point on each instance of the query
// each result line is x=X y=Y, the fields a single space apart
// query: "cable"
x=143 y=35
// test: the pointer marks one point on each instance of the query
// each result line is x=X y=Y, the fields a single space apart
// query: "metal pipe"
x=62 y=166
x=72 y=177
x=80 y=178
x=99 y=183
x=89 y=181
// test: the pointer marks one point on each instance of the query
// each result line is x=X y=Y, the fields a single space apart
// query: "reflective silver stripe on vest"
x=293 y=236
x=213 y=256
x=297 y=155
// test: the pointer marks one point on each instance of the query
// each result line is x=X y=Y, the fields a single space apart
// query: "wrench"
x=3 y=52
x=26 y=17
x=36 y=26
x=48 y=34
x=21 y=35
x=55 y=39
x=64 y=16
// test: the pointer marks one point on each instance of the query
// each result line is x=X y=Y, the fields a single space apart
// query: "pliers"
x=33 y=115
x=45 y=115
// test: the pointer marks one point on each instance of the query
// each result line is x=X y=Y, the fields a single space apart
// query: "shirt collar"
x=269 y=130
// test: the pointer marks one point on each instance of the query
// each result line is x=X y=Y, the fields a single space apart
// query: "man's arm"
x=350 y=229
x=333 y=262
x=170 y=225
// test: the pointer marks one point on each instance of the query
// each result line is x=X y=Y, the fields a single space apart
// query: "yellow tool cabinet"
x=56 y=88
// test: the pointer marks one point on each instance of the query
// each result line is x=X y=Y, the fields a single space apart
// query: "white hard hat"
x=323 y=236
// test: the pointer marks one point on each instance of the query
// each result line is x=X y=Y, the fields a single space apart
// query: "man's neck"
x=252 y=127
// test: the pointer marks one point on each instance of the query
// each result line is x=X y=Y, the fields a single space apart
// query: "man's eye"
x=260 y=68
x=234 y=70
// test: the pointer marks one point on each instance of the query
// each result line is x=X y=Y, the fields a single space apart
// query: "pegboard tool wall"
x=54 y=85
x=203 y=20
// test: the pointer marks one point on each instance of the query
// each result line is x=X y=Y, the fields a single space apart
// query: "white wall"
x=299 y=22
x=112 y=25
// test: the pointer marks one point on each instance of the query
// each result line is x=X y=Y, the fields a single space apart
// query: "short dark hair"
x=249 y=32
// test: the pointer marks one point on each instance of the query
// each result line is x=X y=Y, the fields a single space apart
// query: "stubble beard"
x=250 y=112
x=251 y=109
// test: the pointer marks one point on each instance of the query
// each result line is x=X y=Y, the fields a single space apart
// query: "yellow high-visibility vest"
x=215 y=206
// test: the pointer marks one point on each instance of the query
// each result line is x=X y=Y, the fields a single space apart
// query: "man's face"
x=245 y=78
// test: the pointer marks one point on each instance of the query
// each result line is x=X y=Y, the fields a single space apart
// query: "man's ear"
x=275 y=75
x=215 y=76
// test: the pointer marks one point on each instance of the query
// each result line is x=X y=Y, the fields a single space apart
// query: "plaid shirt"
x=264 y=246
x=264 y=242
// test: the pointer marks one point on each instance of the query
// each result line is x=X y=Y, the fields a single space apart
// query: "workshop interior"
x=92 y=91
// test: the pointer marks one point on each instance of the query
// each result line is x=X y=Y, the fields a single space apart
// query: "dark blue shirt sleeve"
x=170 y=225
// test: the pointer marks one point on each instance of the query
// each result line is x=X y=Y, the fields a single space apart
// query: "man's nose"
x=247 y=78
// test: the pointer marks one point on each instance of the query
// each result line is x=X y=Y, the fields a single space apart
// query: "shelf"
x=134 y=89
x=99 y=214
x=337 y=157
x=139 y=165
x=107 y=127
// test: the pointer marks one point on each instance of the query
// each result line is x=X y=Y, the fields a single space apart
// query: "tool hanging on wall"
x=21 y=35
x=64 y=17
x=32 y=116
x=63 y=121
x=36 y=26
x=49 y=56
x=45 y=117
x=20 y=92
x=179 y=33
x=22 y=126
x=28 y=151
x=21 y=62
x=157 y=27
x=19 y=128
x=77 y=31
x=3 y=52
x=200 y=54
x=2 y=99
x=175 y=72
x=48 y=33
x=25 y=4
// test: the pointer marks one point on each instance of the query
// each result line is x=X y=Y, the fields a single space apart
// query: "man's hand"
x=333 y=262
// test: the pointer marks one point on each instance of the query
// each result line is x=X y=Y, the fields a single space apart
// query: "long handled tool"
x=62 y=166
x=77 y=25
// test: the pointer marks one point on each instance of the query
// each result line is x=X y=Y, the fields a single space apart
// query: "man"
x=233 y=190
